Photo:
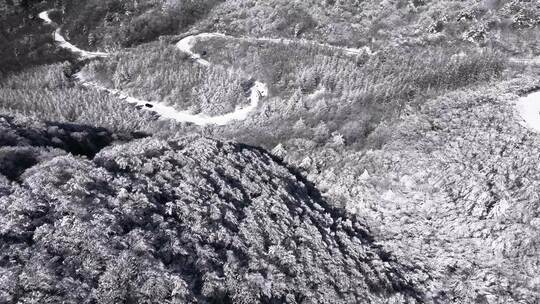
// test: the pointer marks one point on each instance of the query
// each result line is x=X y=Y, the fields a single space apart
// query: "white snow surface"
x=528 y=108
x=45 y=17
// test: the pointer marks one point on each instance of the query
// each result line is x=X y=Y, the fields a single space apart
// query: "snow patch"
x=528 y=108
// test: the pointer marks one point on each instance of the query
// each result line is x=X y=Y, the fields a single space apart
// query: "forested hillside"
x=269 y=151
x=179 y=221
x=45 y=92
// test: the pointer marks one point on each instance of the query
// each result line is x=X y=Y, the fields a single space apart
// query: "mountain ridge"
x=234 y=202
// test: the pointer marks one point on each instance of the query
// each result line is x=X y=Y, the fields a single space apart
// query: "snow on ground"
x=528 y=108
x=45 y=17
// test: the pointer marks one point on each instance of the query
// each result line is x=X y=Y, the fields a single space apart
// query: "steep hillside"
x=455 y=186
x=25 y=41
x=379 y=24
x=114 y=24
x=184 y=220
x=121 y=23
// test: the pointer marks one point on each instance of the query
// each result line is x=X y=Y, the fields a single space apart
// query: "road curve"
x=187 y=44
x=528 y=107
x=62 y=43
x=258 y=90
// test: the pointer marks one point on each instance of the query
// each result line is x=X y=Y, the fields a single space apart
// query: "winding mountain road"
x=186 y=45
x=258 y=90
x=527 y=107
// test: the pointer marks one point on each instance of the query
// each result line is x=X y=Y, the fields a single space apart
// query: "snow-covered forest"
x=269 y=151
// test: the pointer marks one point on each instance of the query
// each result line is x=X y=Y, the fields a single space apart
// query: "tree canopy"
x=183 y=220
